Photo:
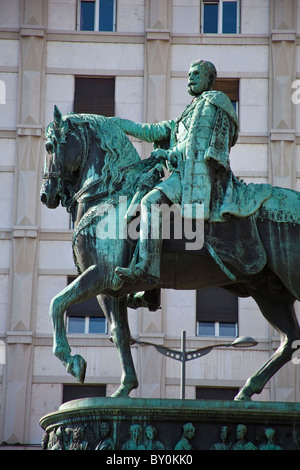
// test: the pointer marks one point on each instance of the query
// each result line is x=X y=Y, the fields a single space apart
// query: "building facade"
x=142 y=50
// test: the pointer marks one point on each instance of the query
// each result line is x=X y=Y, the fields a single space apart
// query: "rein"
x=75 y=196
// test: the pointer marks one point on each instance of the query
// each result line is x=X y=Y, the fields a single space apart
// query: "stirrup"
x=135 y=274
x=125 y=274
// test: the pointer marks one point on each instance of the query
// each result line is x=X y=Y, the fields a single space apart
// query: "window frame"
x=216 y=326
x=86 y=331
x=216 y=306
x=84 y=84
x=220 y=16
x=96 y=17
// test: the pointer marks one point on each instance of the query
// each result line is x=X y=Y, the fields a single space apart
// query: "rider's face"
x=197 y=80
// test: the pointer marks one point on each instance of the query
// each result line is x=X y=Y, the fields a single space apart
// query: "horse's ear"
x=57 y=116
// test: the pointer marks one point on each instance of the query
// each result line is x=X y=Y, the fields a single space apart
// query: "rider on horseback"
x=199 y=142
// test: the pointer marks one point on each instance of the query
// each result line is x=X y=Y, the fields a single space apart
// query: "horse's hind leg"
x=115 y=311
x=85 y=286
x=279 y=311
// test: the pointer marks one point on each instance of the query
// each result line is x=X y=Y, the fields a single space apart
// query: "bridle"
x=55 y=169
x=65 y=180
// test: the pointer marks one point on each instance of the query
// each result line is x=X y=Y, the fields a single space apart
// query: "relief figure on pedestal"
x=136 y=439
x=188 y=433
x=78 y=439
x=106 y=442
x=57 y=440
x=150 y=442
x=224 y=444
x=270 y=434
x=241 y=443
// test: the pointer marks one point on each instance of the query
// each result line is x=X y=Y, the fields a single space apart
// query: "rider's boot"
x=149 y=244
x=148 y=270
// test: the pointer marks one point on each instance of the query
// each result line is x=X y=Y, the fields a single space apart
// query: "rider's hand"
x=172 y=158
x=160 y=154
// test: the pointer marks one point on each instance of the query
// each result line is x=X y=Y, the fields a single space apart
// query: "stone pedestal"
x=171 y=425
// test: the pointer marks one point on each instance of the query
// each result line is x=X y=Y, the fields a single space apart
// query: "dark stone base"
x=163 y=424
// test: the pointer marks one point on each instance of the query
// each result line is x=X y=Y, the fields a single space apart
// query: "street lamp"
x=183 y=355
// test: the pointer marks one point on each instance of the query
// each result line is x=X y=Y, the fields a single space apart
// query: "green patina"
x=91 y=165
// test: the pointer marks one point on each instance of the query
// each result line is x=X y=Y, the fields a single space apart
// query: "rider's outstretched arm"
x=143 y=131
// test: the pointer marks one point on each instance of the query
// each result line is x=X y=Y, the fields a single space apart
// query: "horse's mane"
x=112 y=140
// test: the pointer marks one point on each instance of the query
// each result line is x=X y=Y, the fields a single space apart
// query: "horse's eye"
x=49 y=147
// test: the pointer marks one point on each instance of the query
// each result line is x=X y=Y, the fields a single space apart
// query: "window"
x=216 y=393
x=73 y=392
x=217 y=312
x=220 y=16
x=86 y=317
x=86 y=325
x=96 y=15
x=229 y=86
x=206 y=328
x=95 y=95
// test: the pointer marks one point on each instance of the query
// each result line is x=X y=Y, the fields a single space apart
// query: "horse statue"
x=93 y=170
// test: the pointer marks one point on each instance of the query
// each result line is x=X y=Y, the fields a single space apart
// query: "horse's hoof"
x=242 y=397
x=119 y=393
x=77 y=368
x=123 y=391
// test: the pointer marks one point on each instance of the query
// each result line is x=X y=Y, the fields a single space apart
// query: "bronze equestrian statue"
x=124 y=259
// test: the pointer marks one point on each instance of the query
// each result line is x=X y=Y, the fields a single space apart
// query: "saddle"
x=235 y=242
x=238 y=243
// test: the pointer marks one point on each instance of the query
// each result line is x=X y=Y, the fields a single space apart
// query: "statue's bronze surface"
x=93 y=170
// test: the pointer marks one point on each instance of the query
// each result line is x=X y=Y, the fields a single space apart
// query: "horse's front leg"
x=87 y=285
x=115 y=311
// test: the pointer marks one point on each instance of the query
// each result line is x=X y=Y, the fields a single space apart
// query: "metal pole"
x=183 y=360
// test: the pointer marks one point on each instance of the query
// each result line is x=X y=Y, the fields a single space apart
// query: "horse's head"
x=62 y=161
x=85 y=152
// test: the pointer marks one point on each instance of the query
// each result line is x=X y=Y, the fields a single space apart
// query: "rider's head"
x=202 y=76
